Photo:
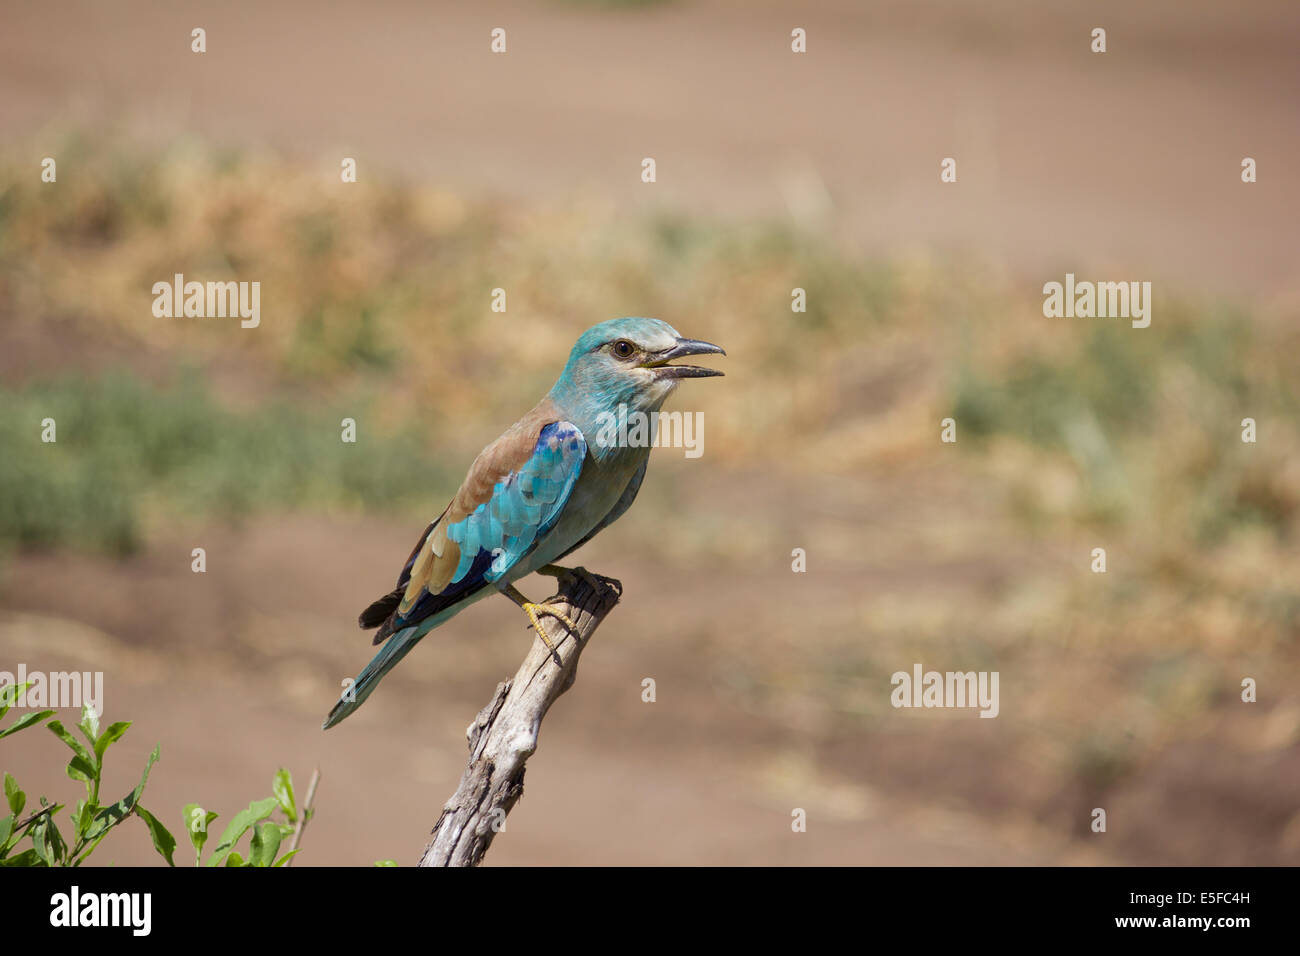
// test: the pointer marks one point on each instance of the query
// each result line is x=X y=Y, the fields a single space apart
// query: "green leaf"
x=26 y=858
x=111 y=816
x=265 y=844
x=9 y=695
x=282 y=787
x=235 y=860
x=144 y=777
x=89 y=724
x=90 y=849
x=385 y=863
x=257 y=811
x=79 y=769
x=56 y=727
x=58 y=847
x=196 y=825
x=41 y=841
x=26 y=720
x=15 y=797
x=109 y=736
x=163 y=841
x=284 y=859
x=81 y=817
x=6 y=828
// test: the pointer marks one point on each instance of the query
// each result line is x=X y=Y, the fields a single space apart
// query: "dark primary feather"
x=430 y=604
x=381 y=610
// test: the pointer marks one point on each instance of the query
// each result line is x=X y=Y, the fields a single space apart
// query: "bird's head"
x=627 y=362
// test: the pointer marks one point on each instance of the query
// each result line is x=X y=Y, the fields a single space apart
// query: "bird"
x=546 y=487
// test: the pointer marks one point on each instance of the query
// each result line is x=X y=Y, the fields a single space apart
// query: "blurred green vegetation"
x=123 y=447
x=1110 y=408
x=383 y=289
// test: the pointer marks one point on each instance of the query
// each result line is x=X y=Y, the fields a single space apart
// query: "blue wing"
x=511 y=498
x=486 y=542
x=524 y=505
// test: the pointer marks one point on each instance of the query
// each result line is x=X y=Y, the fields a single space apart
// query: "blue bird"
x=543 y=489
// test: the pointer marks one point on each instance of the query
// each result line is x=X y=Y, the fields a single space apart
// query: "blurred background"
x=775 y=170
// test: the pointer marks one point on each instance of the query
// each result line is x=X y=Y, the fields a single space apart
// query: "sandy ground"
x=232 y=672
x=1067 y=160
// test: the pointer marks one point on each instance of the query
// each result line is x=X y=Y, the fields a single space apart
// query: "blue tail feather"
x=394 y=649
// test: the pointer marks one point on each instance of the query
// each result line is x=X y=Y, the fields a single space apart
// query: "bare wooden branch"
x=304 y=813
x=504 y=735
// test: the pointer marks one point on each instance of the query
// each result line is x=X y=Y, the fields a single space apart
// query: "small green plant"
x=92 y=821
x=267 y=834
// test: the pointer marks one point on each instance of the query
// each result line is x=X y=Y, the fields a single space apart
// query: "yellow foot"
x=534 y=611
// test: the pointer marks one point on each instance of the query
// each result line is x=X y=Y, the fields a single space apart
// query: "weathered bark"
x=504 y=735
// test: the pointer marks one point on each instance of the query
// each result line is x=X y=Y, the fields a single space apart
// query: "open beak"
x=683 y=348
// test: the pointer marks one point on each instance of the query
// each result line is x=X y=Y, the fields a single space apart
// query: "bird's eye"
x=624 y=349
